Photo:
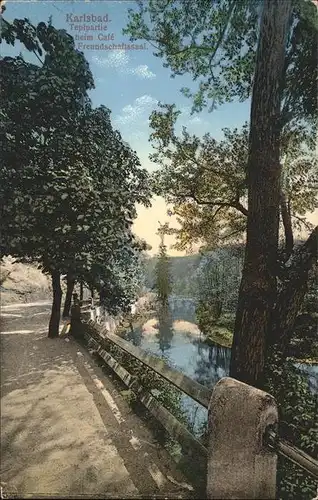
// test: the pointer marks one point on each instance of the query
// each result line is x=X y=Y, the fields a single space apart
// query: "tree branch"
x=233 y=204
x=292 y=294
x=286 y=218
x=218 y=42
x=230 y=235
x=306 y=224
x=241 y=208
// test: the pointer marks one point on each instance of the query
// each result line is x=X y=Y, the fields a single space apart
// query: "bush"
x=207 y=314
x=298 y=423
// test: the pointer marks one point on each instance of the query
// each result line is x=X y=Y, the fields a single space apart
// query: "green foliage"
x=69 y=182
x=218 y=279
x=298 y=423
x=215 y=43
x=119 y=282
x=206 y=180
x=304 y=341
x=207 y=314
x=310 y=303
x=204 y=39
x=182 y=270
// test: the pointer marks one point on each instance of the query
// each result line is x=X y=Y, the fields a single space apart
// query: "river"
x=181 y=344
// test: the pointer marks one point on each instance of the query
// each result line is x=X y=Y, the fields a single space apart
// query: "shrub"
x=298 y=423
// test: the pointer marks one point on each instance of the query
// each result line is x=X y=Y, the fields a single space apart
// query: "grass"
x=221 y=332
x=220 y=335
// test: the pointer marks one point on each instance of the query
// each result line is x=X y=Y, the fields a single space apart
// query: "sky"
x=129 y=82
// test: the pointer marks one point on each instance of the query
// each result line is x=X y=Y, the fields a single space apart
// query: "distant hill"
x=183 y=270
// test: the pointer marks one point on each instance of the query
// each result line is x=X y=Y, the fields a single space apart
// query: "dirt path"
x=66 y=431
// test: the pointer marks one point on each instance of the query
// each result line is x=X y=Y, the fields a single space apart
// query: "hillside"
x=184 y=269
x=22 y=283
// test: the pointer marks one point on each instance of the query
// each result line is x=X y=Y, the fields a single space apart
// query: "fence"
x=243 y=445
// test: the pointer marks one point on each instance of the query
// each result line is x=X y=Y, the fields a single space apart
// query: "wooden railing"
x=182 y=382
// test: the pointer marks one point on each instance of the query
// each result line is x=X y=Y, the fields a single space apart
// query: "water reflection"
x=183 y=348
x=171 y=336
x=165 y=329
x=213 y=363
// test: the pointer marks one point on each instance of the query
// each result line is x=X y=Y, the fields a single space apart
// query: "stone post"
x=240 y=465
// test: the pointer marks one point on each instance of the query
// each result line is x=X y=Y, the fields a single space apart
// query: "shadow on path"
x=62 y=434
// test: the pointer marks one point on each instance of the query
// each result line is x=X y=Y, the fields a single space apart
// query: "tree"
x=216 y=41
x=67 y=173
x=52 y=94
x=258 y=289
x=119 y=280
x=218 y=278
x=206 y=181
x=108 y=221
x=162 y=270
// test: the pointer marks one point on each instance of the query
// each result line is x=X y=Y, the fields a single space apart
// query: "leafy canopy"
x=69 y=181
x=206 y=179
x=215 y=42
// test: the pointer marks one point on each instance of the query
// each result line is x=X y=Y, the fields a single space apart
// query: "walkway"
x=65 y=429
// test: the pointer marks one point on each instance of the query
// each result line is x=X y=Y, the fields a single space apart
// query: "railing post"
x=240 y=465
x=75 y=315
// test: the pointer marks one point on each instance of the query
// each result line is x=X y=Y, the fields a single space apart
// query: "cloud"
x=195 y=120
x=119 y=60
x=137 y=110
x=142 y=71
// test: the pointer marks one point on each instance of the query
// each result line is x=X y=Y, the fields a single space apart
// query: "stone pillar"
x=240 y=465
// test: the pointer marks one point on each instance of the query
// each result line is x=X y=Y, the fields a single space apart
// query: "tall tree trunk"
x=258 y=286
x=81 y=291
x=56 y=305
x=292 y=294
x=68 y=297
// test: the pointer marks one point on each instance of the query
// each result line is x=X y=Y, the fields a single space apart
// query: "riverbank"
x=224 y=338
x=220 y=336
x=144 y=309
x=221 y=332
x=146 y=321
